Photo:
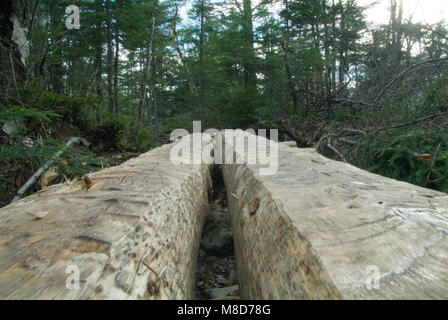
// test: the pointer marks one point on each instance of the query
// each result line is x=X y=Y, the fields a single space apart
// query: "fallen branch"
x=336 y=151
x=301 y=142
x=438 y=179
x=348 y=141
x=410 y=122
x=45 y=167
x=401 y=74
x=341 y=139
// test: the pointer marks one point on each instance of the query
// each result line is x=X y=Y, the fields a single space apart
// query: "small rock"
x=217 y=236
x=219 y=293
x=123 y=280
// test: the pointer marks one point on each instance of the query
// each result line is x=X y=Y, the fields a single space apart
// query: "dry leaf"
x=87 y=181
x=424 y=156
x=48 y=176
x=96 y=186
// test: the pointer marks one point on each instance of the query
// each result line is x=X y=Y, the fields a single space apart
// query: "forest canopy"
x=134 y=70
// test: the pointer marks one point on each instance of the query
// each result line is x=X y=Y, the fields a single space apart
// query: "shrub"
x=403 y=157
x=118 y=133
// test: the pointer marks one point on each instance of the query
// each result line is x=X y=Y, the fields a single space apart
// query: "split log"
x=316 y=229
x=132 y=231
x=323 y=229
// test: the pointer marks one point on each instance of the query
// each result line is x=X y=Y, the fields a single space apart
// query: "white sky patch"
x=184 y=9
x=424 y=11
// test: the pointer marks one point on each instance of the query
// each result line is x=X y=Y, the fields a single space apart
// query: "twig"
x=402 y=74
x=410 y=122
x=14 y=78
x=348 y=141
x=336 y=151
x=438 y=179
x=47 y=164
x=342 y=140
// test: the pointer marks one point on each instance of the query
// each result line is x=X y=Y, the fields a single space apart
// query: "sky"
x=429 y=11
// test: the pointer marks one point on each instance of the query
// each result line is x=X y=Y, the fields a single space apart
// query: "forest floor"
x=216 y=275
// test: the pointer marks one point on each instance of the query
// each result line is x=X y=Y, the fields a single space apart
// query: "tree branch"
x=47 y=164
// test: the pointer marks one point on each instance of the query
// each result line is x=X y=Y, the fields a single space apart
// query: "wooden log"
x=323 y=229
x=132 y=231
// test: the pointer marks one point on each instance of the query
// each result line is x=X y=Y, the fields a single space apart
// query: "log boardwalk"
x=317 y=229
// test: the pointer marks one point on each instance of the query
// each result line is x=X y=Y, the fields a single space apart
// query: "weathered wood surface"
x=316 y=228
x=313 y=230
x=145 y=214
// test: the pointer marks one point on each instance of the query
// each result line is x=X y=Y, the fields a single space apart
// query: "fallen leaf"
x=87 y=181
x=95 y=186
x=48 y=176
x=424 y=156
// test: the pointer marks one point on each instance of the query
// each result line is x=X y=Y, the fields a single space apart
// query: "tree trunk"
x=147 y=64
x=99 y=58
x=201 y=49
x=341 y=71
x=289 y=80
x=14 y=49
x=117 y=59
x=182 y=59
x=250 y=78
x=155 y=101
x=110 y=49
